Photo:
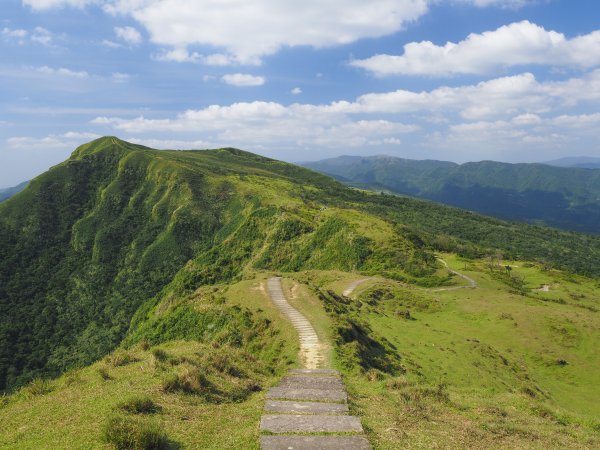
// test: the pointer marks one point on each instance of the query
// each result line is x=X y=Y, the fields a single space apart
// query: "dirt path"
x=472 y=282
x=312 y=350
x=350 y=289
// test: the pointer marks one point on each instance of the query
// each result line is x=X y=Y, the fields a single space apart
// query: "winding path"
x=472 y=282
x=312 y=350
x=308 y=410
x=350 y=289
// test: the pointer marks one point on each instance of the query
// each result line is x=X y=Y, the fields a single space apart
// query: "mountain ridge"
x=567 y=198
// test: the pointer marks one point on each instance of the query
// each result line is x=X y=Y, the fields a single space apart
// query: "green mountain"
x=132 y=291
x=567 y=198
x=9 y=192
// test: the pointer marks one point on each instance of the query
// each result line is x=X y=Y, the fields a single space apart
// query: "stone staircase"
x=308 y=410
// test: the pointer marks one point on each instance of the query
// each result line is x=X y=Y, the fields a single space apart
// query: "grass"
x=81 y=404
x=484 y=368
x=125 y=433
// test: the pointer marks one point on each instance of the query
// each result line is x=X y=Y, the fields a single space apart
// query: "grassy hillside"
x=562 y=197
x=138 y=275
x=100 y=239
x=490 y=367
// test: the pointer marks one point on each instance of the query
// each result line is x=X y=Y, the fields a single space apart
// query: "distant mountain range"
x=544 y=194
x=9 y=192
x=582 y=162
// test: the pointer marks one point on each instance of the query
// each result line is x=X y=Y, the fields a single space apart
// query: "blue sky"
x=459 y=80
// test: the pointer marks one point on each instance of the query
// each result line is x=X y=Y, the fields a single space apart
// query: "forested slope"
x=563 y=197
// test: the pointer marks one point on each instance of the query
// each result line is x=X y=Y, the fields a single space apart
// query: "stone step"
x=319 y=395
x=311 y=382
x=310 y=424
x=314 y=443
x=314 y=372
x=291 y=407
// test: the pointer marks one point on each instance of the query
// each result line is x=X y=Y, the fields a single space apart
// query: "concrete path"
x=308 y=410
x=312 y=351
x=472 y=282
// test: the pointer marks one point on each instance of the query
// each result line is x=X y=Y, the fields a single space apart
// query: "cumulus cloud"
x=516 y=113
x=129 y=35
x=248 y=31
x=242 y=79
x=296 y=91
x=521 y=43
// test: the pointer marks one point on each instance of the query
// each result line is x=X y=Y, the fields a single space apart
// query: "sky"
x=457 y=80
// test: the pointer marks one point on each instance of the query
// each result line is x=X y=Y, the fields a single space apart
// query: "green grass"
x=482 y=367
x=75 y=410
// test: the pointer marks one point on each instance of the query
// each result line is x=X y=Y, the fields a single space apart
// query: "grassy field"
x=485 y=367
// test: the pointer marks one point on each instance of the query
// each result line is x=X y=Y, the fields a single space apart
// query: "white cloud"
x=61 y=71
x=111 y=44
x=247 y=31
x=38 y=35
x=242 y=79
x=500 y=3
x=41 y=36
x=521 y=43
x=14 y=33
x=129 y=35
x=119 y=77
x=67 y=140
x=296 y=91
x=41 y=5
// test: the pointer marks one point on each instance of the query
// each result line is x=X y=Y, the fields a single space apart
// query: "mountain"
x=132 y=291
x=9 y=192
x=582 y=162
x=567 y=198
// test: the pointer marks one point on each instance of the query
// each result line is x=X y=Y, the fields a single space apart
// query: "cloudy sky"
x=460 y=80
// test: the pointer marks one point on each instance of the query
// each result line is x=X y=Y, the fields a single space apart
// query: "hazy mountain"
x=9 y=192
x=582 y=162
x=567 y=198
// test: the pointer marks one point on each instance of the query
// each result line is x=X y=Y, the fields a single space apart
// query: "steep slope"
x=562 y=197
x=92 y=248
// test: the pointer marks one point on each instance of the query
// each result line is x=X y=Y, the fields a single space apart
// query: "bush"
x=120 y=358
x=135 y=434
x=141 y=404
x=160 y=354
x=190 y=381
x=103 y=372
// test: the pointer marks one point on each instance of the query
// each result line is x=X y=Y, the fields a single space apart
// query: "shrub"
x=120 y=358
x=131 y=433
x=160 y=354
x=190 y=381
x=103 y=372
x=141 y=404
